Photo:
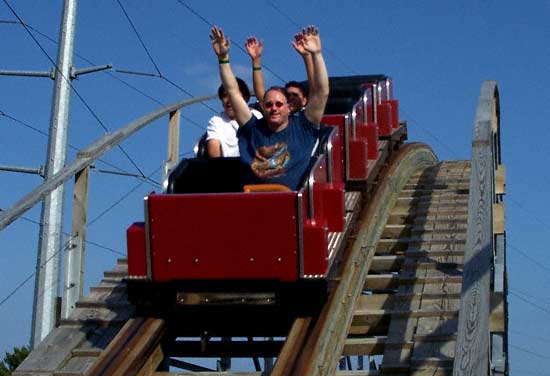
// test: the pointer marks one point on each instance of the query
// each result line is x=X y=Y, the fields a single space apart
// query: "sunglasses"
x=277 y=104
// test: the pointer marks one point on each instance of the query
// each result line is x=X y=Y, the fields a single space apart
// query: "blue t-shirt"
x=278 y=157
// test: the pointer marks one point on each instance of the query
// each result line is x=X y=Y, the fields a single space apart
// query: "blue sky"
x=438 y=53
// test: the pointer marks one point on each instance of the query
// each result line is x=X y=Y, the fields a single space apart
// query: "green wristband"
x=256 y=68
x=223 y=61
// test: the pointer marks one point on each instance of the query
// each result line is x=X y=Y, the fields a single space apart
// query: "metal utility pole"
x=49 y=246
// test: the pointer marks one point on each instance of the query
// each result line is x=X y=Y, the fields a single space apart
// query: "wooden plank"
x=499 y=221
x=500 y=180
x=457 y=226
x=54 y=351
x=96 y=341
x=381 y=282
x=76 y=366
x=442 y=200
x=364 y=346
x=99 y=316
x=387 y=263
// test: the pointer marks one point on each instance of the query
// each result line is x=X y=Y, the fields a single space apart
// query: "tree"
x=13 y=360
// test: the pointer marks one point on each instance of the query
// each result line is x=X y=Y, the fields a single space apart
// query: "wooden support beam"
x=174 y=136
x=472 y=344
x=73 y=285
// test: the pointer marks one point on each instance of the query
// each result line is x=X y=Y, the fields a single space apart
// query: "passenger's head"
x=296 y=95
x=276 y=109
x=222 y=94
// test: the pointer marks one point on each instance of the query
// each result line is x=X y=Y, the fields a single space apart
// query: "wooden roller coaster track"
x=420 y=289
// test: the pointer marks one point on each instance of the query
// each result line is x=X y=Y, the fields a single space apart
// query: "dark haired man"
x=296 y=96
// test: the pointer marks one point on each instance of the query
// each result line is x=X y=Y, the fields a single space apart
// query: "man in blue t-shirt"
x=278 y=147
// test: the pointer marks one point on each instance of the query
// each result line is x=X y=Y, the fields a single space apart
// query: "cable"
x=126 y=195
x=127 y=84
x=543 y=309
x=72 y=147
x=527 y=372
x=151 y=57
x=29 y=277
x=300 y=27
x=238 y=47
x=122 y=71
x=542 y=339
x=122 y=198
x=530 y=352
x=139 y=37
x=18 y=287
x=92 y=112
x=534 y=298
x=107 y=73
x=104 y=247
x=537 y=219
x=14 y=291
x=536 y=262
x=445 y=146
x=160 y=75
x=2 y=113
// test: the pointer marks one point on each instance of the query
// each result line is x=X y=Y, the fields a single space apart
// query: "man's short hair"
x=299 y=86
x=243 y=88
x=280 y=89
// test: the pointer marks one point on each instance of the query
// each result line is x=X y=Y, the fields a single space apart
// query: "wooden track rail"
x=408 y=297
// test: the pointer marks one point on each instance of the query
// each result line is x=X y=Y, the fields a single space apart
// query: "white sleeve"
x=257 y=113
x=213 y=129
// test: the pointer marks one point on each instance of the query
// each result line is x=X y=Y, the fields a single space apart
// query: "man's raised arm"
x=306 y=56
x=221 y=46
x=318 y=94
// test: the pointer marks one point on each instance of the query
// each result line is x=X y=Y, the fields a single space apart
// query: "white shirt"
x=221 y=128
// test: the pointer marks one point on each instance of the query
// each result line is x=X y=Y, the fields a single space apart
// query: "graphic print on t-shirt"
x=270 y=161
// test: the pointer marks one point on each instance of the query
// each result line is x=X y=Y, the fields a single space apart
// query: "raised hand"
x=254 y=47
x=298 y=45
x=310 y=39
x=220 y=43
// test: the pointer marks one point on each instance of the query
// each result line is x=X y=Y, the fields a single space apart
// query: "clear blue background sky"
x=438 y=53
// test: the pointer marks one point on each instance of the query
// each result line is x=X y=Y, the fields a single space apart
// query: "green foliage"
x=12 y=361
